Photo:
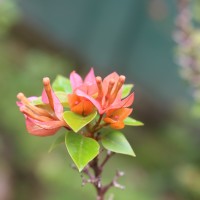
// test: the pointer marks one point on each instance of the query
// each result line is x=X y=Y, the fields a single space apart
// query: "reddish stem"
x=95 y=178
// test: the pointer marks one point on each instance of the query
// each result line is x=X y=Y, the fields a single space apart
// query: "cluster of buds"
x=88 y=95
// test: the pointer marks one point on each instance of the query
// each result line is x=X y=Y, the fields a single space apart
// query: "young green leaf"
x=77 y=122
x=62 y=96
x=126 y=89
x=81 y=149
x=115 y=141
x=59 y=140
x=37 y=101
x=132 y=122
x=62 y=84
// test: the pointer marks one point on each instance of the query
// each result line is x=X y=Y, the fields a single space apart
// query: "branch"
x=98 y=123
x=108 y=156
x=114 y=182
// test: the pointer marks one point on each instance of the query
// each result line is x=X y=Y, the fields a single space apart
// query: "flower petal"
x=117 y=125
x=38 y=128
x=107 y=79
x=113 y=75
x=75 y=80
x=89 y=85
x=58 y=108
x=116 y=117
x=121 y=113
x=90 y=78
x=109 y=120
x=128 y=101
x=91 y=99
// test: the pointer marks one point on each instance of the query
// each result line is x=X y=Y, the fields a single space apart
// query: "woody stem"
x=94 y=169
x=94 y=178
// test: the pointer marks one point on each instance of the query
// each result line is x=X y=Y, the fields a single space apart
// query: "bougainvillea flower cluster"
x=88 y=95
x=87 y=108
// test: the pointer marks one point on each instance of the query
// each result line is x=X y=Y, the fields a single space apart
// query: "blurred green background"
x=132 y=37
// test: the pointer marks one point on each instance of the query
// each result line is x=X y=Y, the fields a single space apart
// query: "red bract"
x=109 y=93
x=45 y=120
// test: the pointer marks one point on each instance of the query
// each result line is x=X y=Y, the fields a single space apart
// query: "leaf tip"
x=80 y=169
x=133 y=154
x=141 y=124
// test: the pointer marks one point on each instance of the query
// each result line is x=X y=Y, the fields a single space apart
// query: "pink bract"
x=88 y=85
x=109 y=92
x=46 y=120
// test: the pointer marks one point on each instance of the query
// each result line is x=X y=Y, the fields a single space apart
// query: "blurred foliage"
x=9 y=14
x=187 y=37
x=167 y=166
x=196 y=10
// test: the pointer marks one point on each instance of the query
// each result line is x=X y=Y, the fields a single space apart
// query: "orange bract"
x=116 y=117
x=80 y=105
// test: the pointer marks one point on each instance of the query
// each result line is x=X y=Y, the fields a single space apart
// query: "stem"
x=96 y=128
x=95 y=178
x=100 y=127
x=109 y=154
x=97 y=124
x=94 y=169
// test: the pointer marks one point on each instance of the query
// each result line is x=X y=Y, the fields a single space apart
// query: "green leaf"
x=62 y=84
x=37 y=101
x=81 y=149
x=77 y=122
x=115 y=141
x=126 y=89
x=59 y=140
x=62 y=96
x=132 y=122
